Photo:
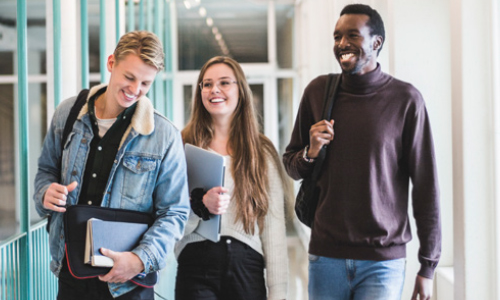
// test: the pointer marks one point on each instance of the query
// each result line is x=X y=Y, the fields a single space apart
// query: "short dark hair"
x=375 y=22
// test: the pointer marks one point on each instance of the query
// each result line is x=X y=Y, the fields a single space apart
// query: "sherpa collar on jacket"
x=142 y=121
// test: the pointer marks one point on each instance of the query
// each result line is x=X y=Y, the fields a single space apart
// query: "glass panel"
x=285 y=112
x=285 y=35
x=6 y=62
x=258 y=101
x=8 y=208
x=93 y=19
x=37 y=122
x=93 y=83
x=236 y=28
x=37 y=92
x=37 y=44
x=188 y=100
x=8 y=36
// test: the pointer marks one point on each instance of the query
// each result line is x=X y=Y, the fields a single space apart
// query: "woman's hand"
x=217 y=200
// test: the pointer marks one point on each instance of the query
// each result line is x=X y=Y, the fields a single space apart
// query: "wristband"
x=307 y=158
x=197 y=204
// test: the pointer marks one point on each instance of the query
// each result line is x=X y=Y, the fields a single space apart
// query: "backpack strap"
x=330 y=95
x=81 y=99
x=73 y=114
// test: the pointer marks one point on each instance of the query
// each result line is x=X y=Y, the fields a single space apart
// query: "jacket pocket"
x=139 y=172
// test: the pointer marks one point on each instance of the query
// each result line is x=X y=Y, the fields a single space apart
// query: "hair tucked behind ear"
x=250 y=149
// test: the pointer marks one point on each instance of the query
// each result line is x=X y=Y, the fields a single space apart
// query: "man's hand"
x=423 y=289
x=217 y=200
x=126 y=266
x=56 y=195
x=320 y=134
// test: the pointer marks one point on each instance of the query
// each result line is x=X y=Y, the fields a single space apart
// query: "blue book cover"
x=116 y=236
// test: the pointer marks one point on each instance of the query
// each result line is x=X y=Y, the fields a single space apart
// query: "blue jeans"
x=349 y=279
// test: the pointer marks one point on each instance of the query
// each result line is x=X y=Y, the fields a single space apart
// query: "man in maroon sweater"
x=378 y=140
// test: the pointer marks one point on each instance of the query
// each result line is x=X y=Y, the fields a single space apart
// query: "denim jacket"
x=148 y=175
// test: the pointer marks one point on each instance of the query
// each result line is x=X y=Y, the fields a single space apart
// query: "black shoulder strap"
x=330 y=94
x=73 y=114
x=81 y=99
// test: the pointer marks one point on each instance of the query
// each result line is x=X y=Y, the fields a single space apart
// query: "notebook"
x=205 y=170
x=116 y=236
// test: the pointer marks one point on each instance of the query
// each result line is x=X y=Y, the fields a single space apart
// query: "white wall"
x=419 y=54
x=417 y=50
x=475 y=156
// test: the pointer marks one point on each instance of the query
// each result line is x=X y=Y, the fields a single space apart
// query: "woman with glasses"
x=252 y=201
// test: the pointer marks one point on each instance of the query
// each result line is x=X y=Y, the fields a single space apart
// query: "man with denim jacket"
x=121 y=153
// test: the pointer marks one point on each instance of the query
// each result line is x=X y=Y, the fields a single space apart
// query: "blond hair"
x=144 y=44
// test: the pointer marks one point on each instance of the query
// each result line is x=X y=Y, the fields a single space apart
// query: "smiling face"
x=220 y=95
x=130 y=79
x=355 y=48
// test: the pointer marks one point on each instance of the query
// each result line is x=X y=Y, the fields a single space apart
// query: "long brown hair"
x=249 y=148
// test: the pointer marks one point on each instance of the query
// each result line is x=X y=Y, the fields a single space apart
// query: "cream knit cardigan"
x=271 y=242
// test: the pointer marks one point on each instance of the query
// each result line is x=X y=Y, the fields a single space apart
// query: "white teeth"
x=216 y=100
x=129 y=95
x=346 y=56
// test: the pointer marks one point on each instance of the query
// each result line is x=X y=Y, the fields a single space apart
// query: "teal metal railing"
x=102 y=40
x=12 y=270
x=44 y=282
x=130 y=16
x=56 y=13
x=22 y=149
x=10 y=281
x=24 y=257
x=9 y=269
x=84 y=33
x=167 y=45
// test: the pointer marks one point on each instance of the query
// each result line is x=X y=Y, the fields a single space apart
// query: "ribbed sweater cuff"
x=426 y=271
x=278 y=291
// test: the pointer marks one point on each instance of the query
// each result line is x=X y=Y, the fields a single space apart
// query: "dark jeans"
x=71 y=288
x=228 y=270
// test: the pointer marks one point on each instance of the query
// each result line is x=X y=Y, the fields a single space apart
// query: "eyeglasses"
x=224 y=85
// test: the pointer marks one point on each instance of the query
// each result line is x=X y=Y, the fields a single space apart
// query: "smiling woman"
x=252 y=200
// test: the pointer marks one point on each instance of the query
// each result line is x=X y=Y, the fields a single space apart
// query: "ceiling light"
x=191 y=3
x=210 y=22
x=202 y=11
x=215 y=30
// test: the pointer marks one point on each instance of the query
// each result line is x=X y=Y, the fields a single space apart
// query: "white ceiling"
x=242 y=23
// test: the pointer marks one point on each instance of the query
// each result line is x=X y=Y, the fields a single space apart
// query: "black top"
x=102 y=153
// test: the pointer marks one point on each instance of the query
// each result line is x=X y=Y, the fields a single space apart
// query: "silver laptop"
x=205 y=170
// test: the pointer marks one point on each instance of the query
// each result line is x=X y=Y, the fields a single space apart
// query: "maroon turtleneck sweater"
x=382 y=141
